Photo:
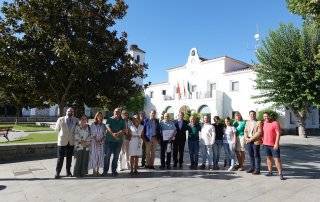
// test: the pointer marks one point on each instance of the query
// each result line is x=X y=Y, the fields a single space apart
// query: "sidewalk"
x=33 y=181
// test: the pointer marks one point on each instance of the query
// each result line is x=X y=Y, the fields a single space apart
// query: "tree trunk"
x=61 y=109
x=17 y=115
x=301 y=116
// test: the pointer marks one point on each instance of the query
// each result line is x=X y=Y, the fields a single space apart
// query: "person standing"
x=271 y=142
x=252 y=135
x=82 y=146
x=229 y=142
x=180 y=140
x=240 y=124
x=151 y=136
x=65 y=126
x=98 y=132
x=207 y=138
x=194 y=129
x=143 y=118
x=124 y=154
x=168 y=132
x=115 y=133
x=218 y=144
x=135 y=143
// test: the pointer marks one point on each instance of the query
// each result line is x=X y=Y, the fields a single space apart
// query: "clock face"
x=193 y=53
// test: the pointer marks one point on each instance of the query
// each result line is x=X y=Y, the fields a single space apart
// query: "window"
x=164 y=92
x=235 y=86
x=151 y=94
x=193 y=88
x=138 y=59
x=213 y=87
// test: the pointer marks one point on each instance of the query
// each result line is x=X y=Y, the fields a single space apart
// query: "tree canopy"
x=288 y=74
x=70 y=51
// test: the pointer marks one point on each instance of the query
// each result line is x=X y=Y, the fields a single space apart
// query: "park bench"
x=4 y=131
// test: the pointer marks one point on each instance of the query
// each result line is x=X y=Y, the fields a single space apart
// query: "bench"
x=4 y=131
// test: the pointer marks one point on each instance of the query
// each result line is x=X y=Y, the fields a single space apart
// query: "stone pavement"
x=32 y=181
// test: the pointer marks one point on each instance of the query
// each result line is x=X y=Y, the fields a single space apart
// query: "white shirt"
x=229 y=134
x=207 y=134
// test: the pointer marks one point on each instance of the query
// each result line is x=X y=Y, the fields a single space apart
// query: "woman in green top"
x=240 y=124
x=193 y=141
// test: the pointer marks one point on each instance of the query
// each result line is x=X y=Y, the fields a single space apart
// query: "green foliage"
x=273 y=114
x=136 y=103
x=306 y=8
x=189 y=114
x=67 y=52
x=288 y=74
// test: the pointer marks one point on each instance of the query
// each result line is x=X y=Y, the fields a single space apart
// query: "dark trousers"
x=111 y=148
x=164 y=146
x=81 y=165
x=254 y=154
x=143 y=158
x=194 y=152
x=64 y=151
x=178 y=150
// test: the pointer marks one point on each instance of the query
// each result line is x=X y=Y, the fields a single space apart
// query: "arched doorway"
x=205 y=110
x=170 y=111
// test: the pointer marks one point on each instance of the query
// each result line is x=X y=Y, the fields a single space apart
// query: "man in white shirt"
x=65 y=127
x=207 y=139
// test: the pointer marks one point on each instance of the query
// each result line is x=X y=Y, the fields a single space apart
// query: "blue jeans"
x=111 y=148
x=193 y=151
x=207 y=154
x=230 y=153
x=216 y=151
x=254 y=154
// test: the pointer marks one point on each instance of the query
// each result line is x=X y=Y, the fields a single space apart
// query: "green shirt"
x=115 y=125
x=239 y=125
x=193 y=132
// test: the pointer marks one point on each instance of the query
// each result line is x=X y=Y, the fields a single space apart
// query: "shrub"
x=273 y=114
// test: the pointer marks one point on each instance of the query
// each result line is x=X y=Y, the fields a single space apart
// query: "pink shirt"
x=270 y=130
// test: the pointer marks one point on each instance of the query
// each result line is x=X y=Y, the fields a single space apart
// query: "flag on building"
x=178 y=91
x=184 y=90
x=189 y=88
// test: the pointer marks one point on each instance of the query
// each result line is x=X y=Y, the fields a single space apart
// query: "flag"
x=184 y=90
x=178 y=90
x=189 y=88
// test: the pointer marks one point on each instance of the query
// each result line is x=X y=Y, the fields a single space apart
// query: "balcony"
x=193 y=96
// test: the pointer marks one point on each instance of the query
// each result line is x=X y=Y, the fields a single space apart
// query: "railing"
x=195 y=95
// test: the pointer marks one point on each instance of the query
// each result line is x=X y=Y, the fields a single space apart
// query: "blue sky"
x=168 y=29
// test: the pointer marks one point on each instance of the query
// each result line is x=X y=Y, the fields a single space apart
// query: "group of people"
x=127 y=139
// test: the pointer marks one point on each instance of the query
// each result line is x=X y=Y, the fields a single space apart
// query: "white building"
x=219 y=86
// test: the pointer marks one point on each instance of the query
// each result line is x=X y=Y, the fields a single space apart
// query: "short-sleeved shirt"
x=270 y=130
x=193 y=132
x=116 y=125
x=239 y=125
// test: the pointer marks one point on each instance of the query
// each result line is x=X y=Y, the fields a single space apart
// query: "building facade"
x=219 y=86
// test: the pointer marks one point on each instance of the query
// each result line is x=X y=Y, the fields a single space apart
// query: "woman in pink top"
x=271 y=139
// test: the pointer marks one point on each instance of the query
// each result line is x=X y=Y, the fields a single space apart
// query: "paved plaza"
x=33 y=181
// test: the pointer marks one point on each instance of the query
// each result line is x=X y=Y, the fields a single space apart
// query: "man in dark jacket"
x=180 y=140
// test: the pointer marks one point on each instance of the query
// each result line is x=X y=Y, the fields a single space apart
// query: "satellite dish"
x=257 y=37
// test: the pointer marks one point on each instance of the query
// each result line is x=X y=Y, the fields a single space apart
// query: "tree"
x=273 y=114
x=288 y=74
x=305 y=8
x=135 y=103
x=72 y=52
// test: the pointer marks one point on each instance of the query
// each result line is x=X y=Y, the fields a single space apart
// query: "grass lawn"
x=35 y=137
x=27 y=127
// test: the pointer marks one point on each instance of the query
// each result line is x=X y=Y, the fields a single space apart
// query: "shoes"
x=175 y=165
x=57 y=176
x=69 y=175
x=136 y=172
x=161 y=167
x=269 y=174
x=168 y=167
x=210 y=168
x=131 y=173
x=225 y=163
x=231 y=168
x=202 y=167
x=281 y=177
x=151 y=167
x=236 y=167
x=115 y=174
x=240 y=169
x=250 y=170
x=191 y=167
x=215 y=167
x=180 y=166
x=256 y=172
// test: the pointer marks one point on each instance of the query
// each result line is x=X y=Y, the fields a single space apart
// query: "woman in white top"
x=82 y=145
x=207 y=139
x=229 y=142
x=135 y=143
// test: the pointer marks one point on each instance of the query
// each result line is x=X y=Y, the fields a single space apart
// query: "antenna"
x=257 y=39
